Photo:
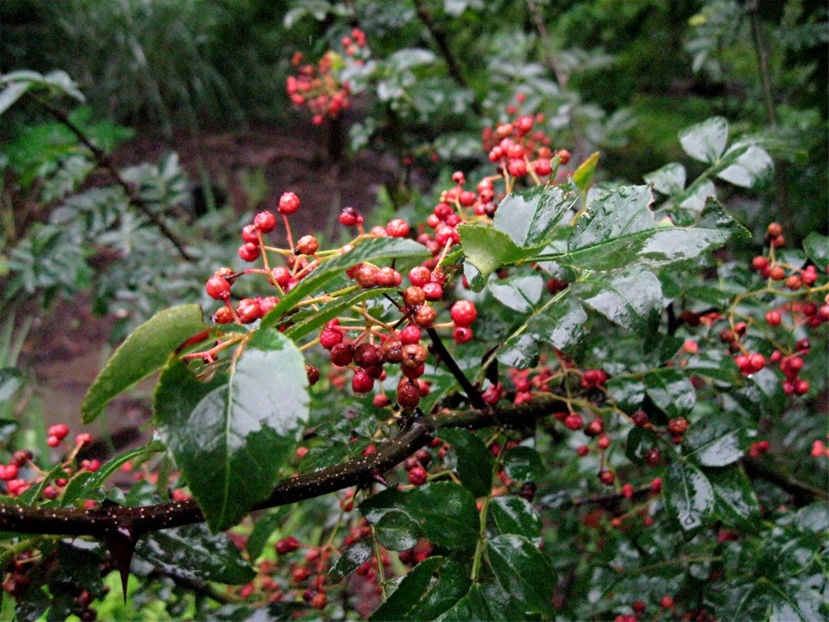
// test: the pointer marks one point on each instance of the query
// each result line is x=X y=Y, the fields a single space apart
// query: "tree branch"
x=113 y=522
x=105 y=162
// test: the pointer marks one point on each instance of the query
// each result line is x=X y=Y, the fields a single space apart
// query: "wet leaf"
x=630 y=298
x=515 y=515
x=670 y=391
x=352 y=557
x=705 y=141
x=639 y=441
x=192 y=552
x=688 y=494
x=446 y=513
x=488 y=249
x=669 y=180
x=523 y=571
x=432 y=587
x=584 y=173
x=523 y=464
x=474 y=460
x=817 y=248
x=520 y=293
x=231 y=435
x=734 y=500
x=715 y=441
x=143 y=353
x=397 y=531
x=529 y=217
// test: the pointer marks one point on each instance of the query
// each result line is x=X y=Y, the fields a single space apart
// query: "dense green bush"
x=537 y=394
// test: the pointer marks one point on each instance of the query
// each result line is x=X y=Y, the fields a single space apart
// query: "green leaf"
x=705 y=141
x=333 y=309
x=447 y=514
x=559 y=322
x=715 y=441
x=523 y=464
x=515 y=515
x=370 y=250
x=231 y=435
x=475 y=605
x=523 y=571
x=584 y=173
x=688 y=494
x=193 y=553
x=397 y=531
x=670 y=391
x=529 y=217
x=630 y=298
x=752 y=166
x=10 y=380
x=734 y=500
x=262 y=530
x=352 y=557
x=143 y=353
x=379 y=504
x=432 y=587
x=520 y=292
x=639 y=441
x=474 y=460
x=669 y=180
x=13 y=92
x=488 y=249
x=619 y=231
x=817 y=248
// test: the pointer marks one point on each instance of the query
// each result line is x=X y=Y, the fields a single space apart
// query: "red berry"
x=350 y=217
x=264 y=221
x=362 y=382
x=759 y=263
x=249 y=251
x=61 y=430
x=249 y=234
x=462 y=334
x=52 y=441
x=607 y=477
x=410 y=335
x=307 y=245
x=666 y=602
x=342 y=354
x=287 y=545
x=419 y=276
x=288 y=203
x=248 y=310
x=218 y=288
x=330 y=337
x=463 y=313
x=773 y=317
x=574 y=422
x=417 y=476
x=397 y=228
x=432 y=291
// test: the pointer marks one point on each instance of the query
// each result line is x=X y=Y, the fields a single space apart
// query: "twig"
x=442 y=41
x=472 y=392
x=105 y=162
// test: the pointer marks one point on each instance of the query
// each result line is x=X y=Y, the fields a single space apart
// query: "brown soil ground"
x=66 y=348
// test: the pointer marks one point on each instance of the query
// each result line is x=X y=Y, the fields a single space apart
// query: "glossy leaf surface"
x=230 y=435
x=143 y=353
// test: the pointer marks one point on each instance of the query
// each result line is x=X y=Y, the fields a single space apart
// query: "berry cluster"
x=518 y=151
x=21 y=473
x=363 y=347
x=319 y=86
